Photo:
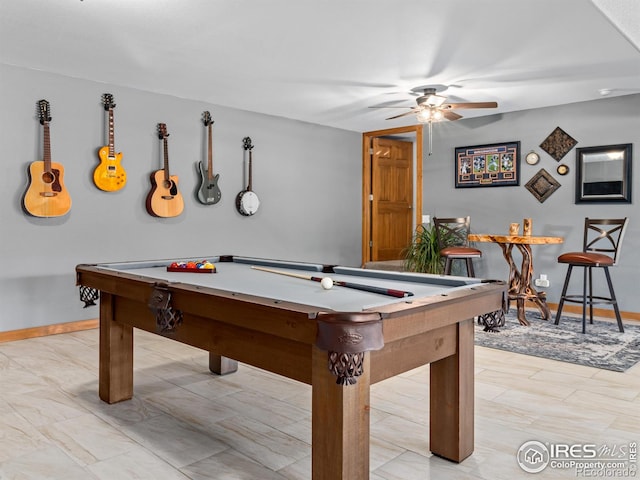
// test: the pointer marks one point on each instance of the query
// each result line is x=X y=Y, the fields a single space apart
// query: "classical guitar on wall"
x=247 y=202
x=109 y=174
x=164 y=198
x=46 y=195
x=208 y=192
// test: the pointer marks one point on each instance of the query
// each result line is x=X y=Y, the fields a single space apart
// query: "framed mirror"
x=603 y=174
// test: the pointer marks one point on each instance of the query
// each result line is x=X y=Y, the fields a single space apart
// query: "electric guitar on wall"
x=46 y=195
x=164 y=199
x=109 y=175
x=208 y=192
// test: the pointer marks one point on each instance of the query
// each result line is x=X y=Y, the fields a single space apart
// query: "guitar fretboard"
x=47 y=147
x=250 y=169
x=166 y=159
x=111 y=134
x=210 y=155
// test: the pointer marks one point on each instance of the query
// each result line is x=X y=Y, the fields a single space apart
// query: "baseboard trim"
x=598 y=312
x=43 y=331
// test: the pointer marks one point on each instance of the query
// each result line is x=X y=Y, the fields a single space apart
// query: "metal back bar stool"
x=452 y=234
x=601 y=249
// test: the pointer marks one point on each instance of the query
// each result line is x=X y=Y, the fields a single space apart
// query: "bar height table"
x=520 y=285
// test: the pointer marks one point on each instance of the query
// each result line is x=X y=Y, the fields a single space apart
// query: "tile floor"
x=184 y=423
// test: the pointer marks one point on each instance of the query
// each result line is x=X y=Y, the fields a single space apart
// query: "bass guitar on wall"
x=164 y=198
x=46 y=195
x=109 y=175
x=208 y=192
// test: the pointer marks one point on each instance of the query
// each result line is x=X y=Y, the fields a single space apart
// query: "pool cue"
x=357 y=286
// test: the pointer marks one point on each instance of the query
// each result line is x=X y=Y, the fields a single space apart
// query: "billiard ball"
x=326 y=283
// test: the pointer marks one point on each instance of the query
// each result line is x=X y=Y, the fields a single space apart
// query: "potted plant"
x=423 y=255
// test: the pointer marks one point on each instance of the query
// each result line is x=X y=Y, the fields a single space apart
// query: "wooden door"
x=391 y=198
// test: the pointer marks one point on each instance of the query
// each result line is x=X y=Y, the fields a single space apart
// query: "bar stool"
x=453 y=242
x=601 y=249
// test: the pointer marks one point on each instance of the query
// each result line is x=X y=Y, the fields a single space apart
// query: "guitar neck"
x=47 y=148
x=210 y=155
x=166 y=159
x=111 y=134
x=250 y=169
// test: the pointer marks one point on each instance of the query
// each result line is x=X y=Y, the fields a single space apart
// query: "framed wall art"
x=492 y=165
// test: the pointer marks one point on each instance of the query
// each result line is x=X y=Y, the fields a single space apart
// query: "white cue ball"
x=326 y=283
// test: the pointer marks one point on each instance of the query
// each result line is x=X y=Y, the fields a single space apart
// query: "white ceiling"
x=327 y=61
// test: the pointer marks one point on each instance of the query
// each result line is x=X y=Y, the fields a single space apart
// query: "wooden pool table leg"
x=451 y=403
x=116 y=355
x=340 y=423
x=222 y=365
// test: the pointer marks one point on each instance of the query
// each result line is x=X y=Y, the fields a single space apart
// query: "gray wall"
x=308 y=178
x=603 y=122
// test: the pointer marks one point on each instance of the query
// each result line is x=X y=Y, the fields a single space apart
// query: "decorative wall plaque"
x=542 y=185
x=558 y=144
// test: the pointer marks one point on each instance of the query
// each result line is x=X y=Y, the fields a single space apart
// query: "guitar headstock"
x=162 y=131
x=246 y=143
x=107 y=101
x=206 y=119
x=43 y=112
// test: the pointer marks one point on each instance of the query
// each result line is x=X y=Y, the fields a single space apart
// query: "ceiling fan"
x=431 y=107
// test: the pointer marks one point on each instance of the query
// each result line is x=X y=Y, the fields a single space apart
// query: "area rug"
x=603 y=346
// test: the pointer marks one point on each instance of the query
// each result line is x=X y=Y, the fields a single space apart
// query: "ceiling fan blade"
x=453 y=106
x=383 y=106
x=411 y=112
x=451 y=115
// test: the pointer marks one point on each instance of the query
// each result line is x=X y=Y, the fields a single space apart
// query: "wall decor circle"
x=532 y=158
x=562 y=169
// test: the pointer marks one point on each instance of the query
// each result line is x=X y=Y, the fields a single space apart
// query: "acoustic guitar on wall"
x=109 y=174
x=164 y=198
x=208 y=192
x=46 y=195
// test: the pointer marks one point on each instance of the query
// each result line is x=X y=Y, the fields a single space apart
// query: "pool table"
x=338 y=340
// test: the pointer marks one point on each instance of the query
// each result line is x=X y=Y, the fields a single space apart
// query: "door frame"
x=367 y=138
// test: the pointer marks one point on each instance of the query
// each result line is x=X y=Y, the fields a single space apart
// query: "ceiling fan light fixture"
x=430 y=100
x=435 y=100
x=429 y=114
x=424 y=115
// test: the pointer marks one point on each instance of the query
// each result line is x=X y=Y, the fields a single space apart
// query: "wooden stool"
x=453 y=243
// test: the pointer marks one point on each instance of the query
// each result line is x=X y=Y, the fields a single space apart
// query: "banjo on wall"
x=247 y=202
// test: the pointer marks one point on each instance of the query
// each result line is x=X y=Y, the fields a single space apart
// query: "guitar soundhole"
x=51 y=178
x=48 y=178
x=171 y=187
